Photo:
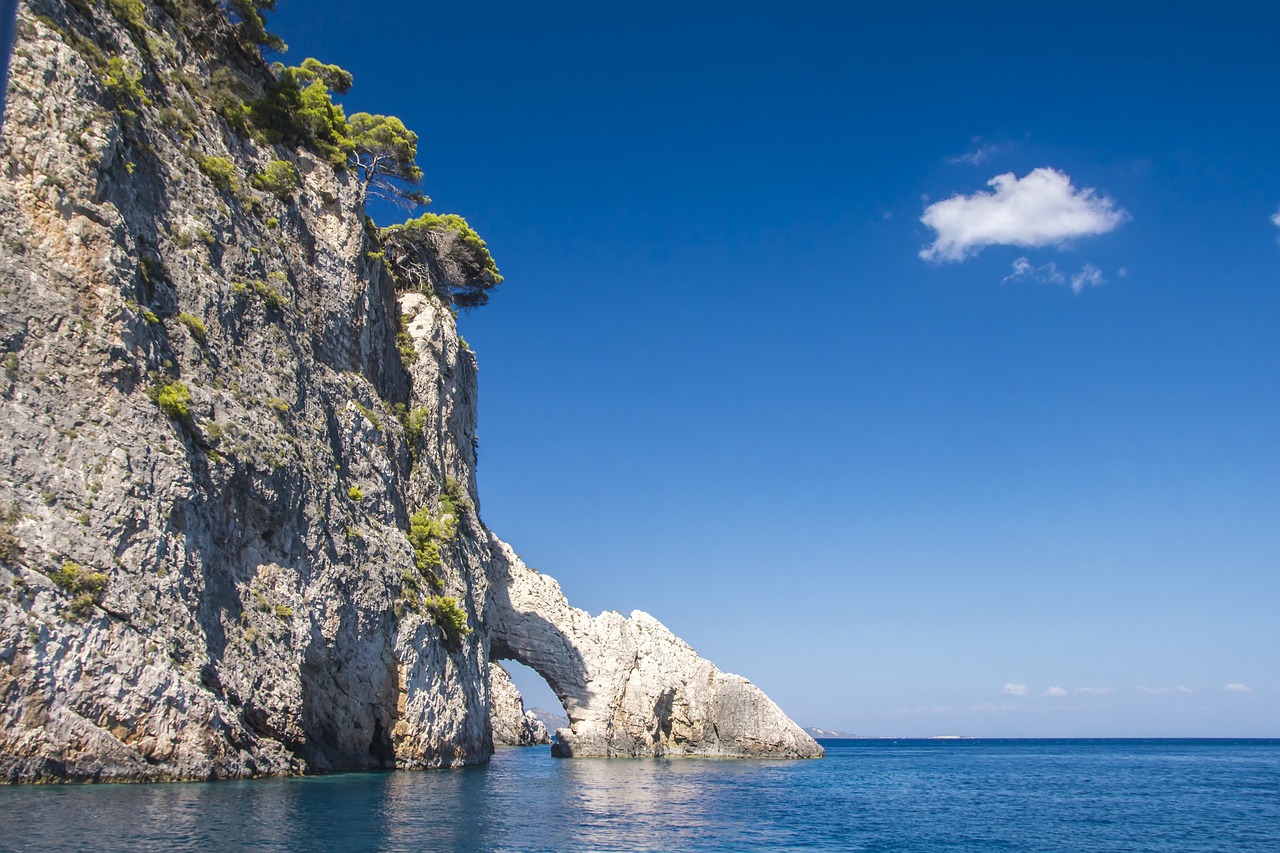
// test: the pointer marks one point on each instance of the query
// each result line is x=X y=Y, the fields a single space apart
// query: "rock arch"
x=628 y=685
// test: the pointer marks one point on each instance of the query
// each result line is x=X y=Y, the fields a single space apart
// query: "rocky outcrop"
x=221 y=424
x=629 y=686
x=512 y=724
x=206 y=483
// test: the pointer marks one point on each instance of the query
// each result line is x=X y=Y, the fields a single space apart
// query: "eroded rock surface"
x=218 y=418
x=629 y=686
x=512 y=724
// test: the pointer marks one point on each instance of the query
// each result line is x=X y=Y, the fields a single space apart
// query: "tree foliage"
x=384 y=152
x=278 y=178
x=441 y=254
x=249 y=21
x=296 y=108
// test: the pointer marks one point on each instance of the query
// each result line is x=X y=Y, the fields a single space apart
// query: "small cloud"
x=1024 y=270
x=1165 y=691
x=1094 y=691
x=1015 y=690
x=1041 y=209
x=1090 y=276
x=1053 y=693
x=1275 y=219
x=980 y=152
x=1122 y=272
x=1235 y=686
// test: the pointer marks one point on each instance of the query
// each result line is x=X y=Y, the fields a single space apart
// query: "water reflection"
x=917 y=796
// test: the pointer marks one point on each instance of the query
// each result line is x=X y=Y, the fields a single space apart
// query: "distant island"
x=830 y=734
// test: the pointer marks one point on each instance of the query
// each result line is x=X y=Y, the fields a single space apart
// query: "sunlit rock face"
x=512 y=724
x=629 y=686
x=218 y=415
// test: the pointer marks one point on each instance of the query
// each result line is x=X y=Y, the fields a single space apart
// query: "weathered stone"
x=512 y=724
x=629 y=686
x=257 y=608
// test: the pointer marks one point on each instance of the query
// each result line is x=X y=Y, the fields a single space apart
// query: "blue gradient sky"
x=905 y=497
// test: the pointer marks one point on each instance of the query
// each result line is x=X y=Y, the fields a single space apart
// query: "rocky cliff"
x=512 y=724
x=239 y=529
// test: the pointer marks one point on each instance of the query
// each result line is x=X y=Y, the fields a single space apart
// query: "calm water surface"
x=1025 y=795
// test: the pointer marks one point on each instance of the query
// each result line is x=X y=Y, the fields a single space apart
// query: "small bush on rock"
x=278 y=178
x=173 y=398
x=86 y=587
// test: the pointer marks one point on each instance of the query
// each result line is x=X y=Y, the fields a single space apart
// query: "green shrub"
x=268 y=294
x=369 y=415
x=123 y=82
x=278 y=178
x=131 y=13
x=355 y=494
x=86 y=587
x=250 y=24
x=404 y=342
x=226 y=94
x=414 y=423
x=153 y=270
x=173 y=398
x=277 y=405
x=10 y=364
x=220 y=171
x=150 y=316
x=283 y=611
x=297 y=109
x=272 y=222
x=441 y=253
x=454 y=500
x=195 y=326
x=451 y=619
x=169 y=117
x=426 y=533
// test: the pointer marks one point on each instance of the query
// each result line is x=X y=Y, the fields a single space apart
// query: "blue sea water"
x=874 y=795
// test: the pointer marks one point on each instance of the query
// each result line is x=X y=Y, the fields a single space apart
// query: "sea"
x=874 y=795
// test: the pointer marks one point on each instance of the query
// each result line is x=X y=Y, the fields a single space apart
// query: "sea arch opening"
x=536 y=695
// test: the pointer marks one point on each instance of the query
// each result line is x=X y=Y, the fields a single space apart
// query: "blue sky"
x=1024 y=485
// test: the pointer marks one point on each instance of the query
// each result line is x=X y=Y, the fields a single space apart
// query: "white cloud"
x=1053 y=693
x=1040 y=209
x=1015 y=690
x=981 y=151
x=1164 y=691
x=1275 y=219
x=1094 y=691
x=1090 y=276
x=1235 y=686
x=1024 y=270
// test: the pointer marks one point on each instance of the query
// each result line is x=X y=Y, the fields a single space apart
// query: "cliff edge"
x=239 y=528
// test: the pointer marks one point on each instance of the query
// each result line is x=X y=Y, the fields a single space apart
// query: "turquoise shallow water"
x=981 y=795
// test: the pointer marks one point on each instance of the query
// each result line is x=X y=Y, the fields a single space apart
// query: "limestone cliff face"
x=512 y=724
x=629 y=686
x=217 y=419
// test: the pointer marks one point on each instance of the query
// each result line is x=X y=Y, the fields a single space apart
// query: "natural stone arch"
x=628 y=685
